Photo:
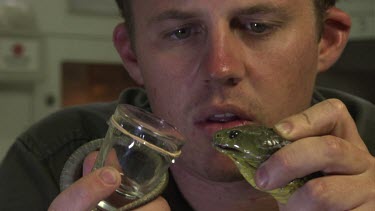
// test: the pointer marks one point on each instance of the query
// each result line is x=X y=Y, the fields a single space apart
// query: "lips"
x=227 y=117
x=214 y=118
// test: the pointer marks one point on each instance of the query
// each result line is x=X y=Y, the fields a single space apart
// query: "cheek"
x=164 y=93
x=168 y=80
x=287 y=68
x=285 y=82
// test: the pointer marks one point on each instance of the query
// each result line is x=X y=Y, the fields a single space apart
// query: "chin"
x=208 y=164
x=222 y=169
x=224 y=176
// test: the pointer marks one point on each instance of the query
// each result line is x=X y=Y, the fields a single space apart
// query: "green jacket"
x=29 y=174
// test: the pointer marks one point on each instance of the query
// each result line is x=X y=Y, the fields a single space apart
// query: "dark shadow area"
x=354 y=72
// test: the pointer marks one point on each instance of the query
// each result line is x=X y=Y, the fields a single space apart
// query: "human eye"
x=183 y=33
x=256 y=27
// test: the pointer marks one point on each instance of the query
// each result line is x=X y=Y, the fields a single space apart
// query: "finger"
x=111 y=160
x=369 y=205
x=328 y=117
x=89 y=162
x=159 y=204
x=330 y=193
x=88 y=191
x=327 y=154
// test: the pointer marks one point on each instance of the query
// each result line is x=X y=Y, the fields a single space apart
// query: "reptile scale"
x=249 y=146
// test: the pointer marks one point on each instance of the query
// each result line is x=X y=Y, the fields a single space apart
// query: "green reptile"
x=249 y=146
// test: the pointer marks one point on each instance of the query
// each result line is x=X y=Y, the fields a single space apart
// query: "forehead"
x=144 y=9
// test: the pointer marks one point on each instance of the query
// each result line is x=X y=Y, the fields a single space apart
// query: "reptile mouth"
x=227 y=148
x=234 y=154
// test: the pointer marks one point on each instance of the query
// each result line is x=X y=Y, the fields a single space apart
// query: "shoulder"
x=361 y=110
x=39 y=154
x=69 y=127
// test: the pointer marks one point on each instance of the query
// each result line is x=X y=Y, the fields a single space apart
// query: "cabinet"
x=20 y=71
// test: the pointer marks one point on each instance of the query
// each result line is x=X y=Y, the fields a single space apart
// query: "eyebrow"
x=281 y=11
x=173 y=14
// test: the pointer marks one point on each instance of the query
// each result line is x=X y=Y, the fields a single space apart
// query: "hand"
x=94 y=186
x=86 y=192
x=325 y=139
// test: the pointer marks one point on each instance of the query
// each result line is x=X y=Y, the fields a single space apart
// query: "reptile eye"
x=234 y=134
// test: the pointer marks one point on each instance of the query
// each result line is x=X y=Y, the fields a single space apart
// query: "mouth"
x=226 y=148
x=223 y=118
x=234 y=154
x=213 y=119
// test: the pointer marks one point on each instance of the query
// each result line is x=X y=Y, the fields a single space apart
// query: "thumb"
x=86 y=192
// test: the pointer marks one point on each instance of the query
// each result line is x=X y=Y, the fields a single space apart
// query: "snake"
x=251 y=145
x=72 y=171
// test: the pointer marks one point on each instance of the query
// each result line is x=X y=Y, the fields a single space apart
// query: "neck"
x=204 y=194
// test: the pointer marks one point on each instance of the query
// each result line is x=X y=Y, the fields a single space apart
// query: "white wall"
x=363 y=17
x=15 y=112
x=54 y=17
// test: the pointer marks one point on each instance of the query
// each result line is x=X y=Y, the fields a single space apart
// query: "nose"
x=222 y=61
x=218 y=136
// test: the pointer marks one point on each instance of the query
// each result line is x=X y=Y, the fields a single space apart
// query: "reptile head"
x=251 y=144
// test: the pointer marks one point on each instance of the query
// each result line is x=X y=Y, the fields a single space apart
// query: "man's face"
x=213 y=64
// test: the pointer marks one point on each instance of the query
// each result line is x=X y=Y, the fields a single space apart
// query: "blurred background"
x=59 y=53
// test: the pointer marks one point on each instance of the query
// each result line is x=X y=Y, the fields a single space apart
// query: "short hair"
x=127 y=14
x=321 y=6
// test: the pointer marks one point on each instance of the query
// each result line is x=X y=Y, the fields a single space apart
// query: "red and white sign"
x=19 y=54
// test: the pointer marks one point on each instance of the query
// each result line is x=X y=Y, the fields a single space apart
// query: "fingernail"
x=262 y=177
x=109 y=176
x=284 y=128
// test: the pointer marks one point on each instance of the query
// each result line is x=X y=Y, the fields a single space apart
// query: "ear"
x=335 y=35
x=122 y=42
